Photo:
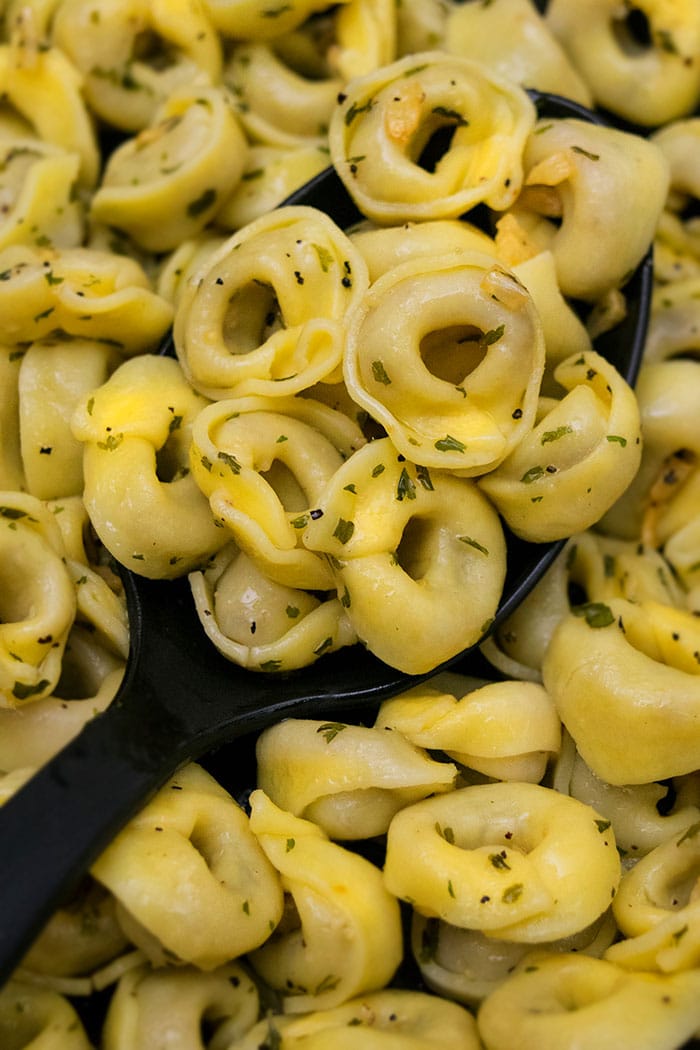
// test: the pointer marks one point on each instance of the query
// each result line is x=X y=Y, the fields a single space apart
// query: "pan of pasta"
x=371 y=332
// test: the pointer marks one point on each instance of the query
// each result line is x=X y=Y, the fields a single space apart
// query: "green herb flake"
x=596 y=614
x=423 y=476
x=111 y=442
x=471 y=542
x=499 y=861
x=554 y=435
x=330 y=730
x=450 y=114
x=291 y=843
x=406 y=488
x=345 y=599
x=344 y=530
x=230 y=460
x=450 y=444
x=379 y=469
x=51 y=278
x=512 y=893
x=326 y=644
x=175 y=424
x=301 y=522
x=492 y=336
x=355 y=110
x=602 y=825
x=202 y=204
x=292 y=612
x=325 y=257
x=270 y=665
x=585 y=152
x=533 y=474
x=618 y=439
x=22 y=691
x=379 y=373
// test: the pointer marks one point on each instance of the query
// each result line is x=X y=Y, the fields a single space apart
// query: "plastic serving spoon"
x=180 y=698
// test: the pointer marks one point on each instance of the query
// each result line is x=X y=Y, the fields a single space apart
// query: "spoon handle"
x=64 y=816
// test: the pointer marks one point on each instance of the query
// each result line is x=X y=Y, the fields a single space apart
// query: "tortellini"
x=639 y=60
x=402 y=576
x=34 y=1015
x=350 y=780
x=447 y=353
x=579 y=178
x=392 y=114
x=265 y=317
x=167 y=183
x=579 y=458
x=223 y=895
x=162 y=526
x=574 y=1000
x=518 y=861
x=343 y=935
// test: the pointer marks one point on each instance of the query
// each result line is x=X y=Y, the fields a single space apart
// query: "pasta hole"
x=632 y=33
x=289 y=492
x=152 y=50
x=414 y=553
x=170 y=461
x=434 y=149
x=452 y=353
x=253 y=315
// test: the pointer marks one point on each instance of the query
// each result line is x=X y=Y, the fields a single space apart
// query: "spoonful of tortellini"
x=394 y=416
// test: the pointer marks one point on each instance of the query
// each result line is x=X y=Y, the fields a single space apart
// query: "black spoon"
x=181 y=698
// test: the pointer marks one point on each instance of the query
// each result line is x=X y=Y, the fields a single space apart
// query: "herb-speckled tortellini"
x=658 y=909
x=387 y=118
x=249 y=20
x=262 y=624
x=518 y=861
x=447 y=353
x=124 y=84
x=621 y=674
x=384 y=247
x=266 y=316
x=575 y=1002
x=468 y=965
x=350 y=780
x=34 y=1016
x=270 y=175
x=406 y=545
x=149 y=1002
x=79 y=292
x=342 y=936
x=394 y=1018
x=512 y=38
x=642 y=815
x=38 y=187
x=167 y=183
x=192 y=882
x=649 y=74
x=275 y=103
x=46 y=89
x=506 y=730
x=264 y=464
x=593 y=195
x=577 y=461
x=38 y=602
x=143 y=502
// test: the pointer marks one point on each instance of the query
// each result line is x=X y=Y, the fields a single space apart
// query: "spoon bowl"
x=181 y=698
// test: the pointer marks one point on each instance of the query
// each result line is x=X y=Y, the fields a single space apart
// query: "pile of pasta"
x=329 y=449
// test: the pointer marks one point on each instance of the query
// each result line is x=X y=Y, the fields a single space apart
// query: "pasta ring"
x=391 y=114
x=447 y=353
x=38 y=183
x=142 y=501
x=163 y=186
x=572 y=1000
x=638 y=59
x=578 y=459
x=122 y=86
x=621 y=673
x=593 y=196
x=506 y=859
x=406 y=546
x=212 y=896
x=348 y=937
x=146 y=1001
x=266 y=315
